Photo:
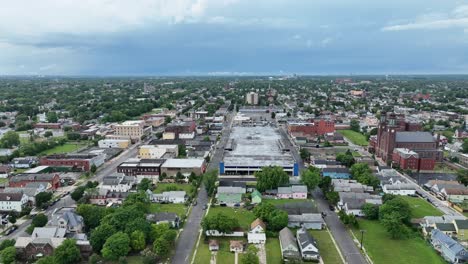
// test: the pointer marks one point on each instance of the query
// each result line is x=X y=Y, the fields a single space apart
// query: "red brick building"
x=81 y=162
x=20 y=180
x=48 y=125
x=181 y=128
x=395 y=132
x=314 y=128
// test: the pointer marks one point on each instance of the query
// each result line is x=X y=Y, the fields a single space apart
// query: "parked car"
x=332 y=208
x=11 y=230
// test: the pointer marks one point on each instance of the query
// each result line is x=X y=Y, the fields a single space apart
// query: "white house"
x=118 y=183
x=399 y=189
x=168 y=197
x=307 y=245
x=12 y=201
x=257 y=232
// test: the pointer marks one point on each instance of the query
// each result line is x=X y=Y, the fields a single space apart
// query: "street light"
x=362 y=236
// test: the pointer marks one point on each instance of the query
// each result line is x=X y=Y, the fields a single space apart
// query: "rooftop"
x=417 y=137
x=257 y=146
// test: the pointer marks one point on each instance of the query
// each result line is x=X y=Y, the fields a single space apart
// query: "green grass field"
x=65 y=148
x=384 y=250
x=355 y=137
x=327 y=249
x=421 y=208
x=162 y=187
x=273 y=251
x=245 y=217
x=179 y=209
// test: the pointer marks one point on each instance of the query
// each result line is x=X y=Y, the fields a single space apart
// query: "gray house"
x=307 y=245
x=160 y=218
x=289 y=248
x=308 y=221
x=66 y=218
x=450 y=249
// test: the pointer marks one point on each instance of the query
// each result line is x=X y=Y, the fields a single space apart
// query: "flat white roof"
x=36 y=169
x=183 y=163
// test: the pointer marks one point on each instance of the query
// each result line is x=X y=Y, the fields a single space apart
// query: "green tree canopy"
x=311 y=177
x=271 y=178
x=67 y=252
x=116 y=246
x=220 y=222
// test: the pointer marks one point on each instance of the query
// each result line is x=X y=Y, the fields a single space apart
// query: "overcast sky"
x=188 y=37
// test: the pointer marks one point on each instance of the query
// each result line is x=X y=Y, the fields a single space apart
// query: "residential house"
x=118 y=183
x=461 y=227
x=307 y=245
x=352 y=203
x=168 y=197
x=23 y=163
x=230 y=196
x=292 y=192
x=455 y=195
x=13 y=201
x=106 y=197
x=5 y=171
x=236 y=246
x=288 y=245
x=450 y=249
x=213 y=245
x=447 y=228
x=399 y=189
x=307 y=221
x=21 y=180
x=185 y=166
x=160 y=218
x=343 y=185
x=67 y=219
x=256 y=197
x=257 y=232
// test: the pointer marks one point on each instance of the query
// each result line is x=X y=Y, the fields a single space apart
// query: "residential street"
x=189 y=235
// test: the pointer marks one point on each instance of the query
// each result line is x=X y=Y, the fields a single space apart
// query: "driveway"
x=261 y=253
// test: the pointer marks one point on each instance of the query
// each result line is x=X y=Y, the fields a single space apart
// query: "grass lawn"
x=421 y=208
x=355 y=137
x=134 y=260
x=284 y=201
x=179 y=209
x=384 y=250
x=65 y=148
x=327 y=249
x=3 y=180
x=444 y=168
x=222 y=256
x=273 y=251
x=245 y=217
x=356 y=154
x=162 y=187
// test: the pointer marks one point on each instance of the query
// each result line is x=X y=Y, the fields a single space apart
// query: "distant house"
x=13 y=201
x=160 y=218
x=292 y=192
x=450 y=249
x=236 y=246
x=256 y=197
x=5 y=171
x=230 y=195
x=168 y=197
x=23 y=163
x=336 y=173
x=288 y=245
x=307 y=245
x=462 y=229
x=307 y=221
x=213 y=245
x=257 y=232
x=352 y=203
x=118 y=183
x=399 y=189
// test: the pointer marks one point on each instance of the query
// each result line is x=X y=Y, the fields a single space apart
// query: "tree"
x=48 y=134
x=78 y=193
x=158 y=230
x=144 y=185
x=273 y=115
x=179 y=177
x=209 y=180
x=67 y=252
x=371 y=211
x=311 y=177
x=250 y=257
x=326 y=184
x=162 y=176
x=182 y=151
x=137 y=240
x=279 y=220
x=462 y=176
x=7 y=243
x=93 y=168
x=42 y=198
x=398 y=206
x=465 y=146
x=73 y=136
x=392 y=222
x=304 y=153
x=52 y=117
x=271 y=178
x=8 y=255
x=39 y=220
x=161 y=247
x=116 y=246
x=220 y=222
x=100 y=235
x=332 y=197
x=91 y=214
x=10 y=139
x=47 y=260
x=346 y=159
x=167 y=120
x=354 y=125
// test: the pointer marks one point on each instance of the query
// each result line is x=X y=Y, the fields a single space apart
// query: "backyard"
x=384 y=250
x=244 y=216
x=163 y=187
x=421 y=208
x=65 y=148
x=273 y=251
x=355 y=137
x=179 y=209
x=327 y=249
x=222 y=256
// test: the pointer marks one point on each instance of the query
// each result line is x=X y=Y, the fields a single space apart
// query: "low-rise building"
x=307 y=221
x=292 y=192
x=236 y=246
x=13 y=201
x=288 y=245
x=51 y=180
x=307 y=245
x=133 y=130
x=82 y=162
x=230 y=196
x=185 y=166
x=146 y=168
x=450 y=249
x=158 y=151
x=114 y=143
x=164 y=218
x=168 y=197
x=117 y=183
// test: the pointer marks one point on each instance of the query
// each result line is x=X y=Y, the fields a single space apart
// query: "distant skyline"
x=233 y=37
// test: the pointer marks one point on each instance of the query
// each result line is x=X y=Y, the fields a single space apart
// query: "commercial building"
x=21 y=180
x=311 y=129
x=82 y=162
x=148 y=168
x=395 y=132
x=158 y=151
x=249 y=149
x=132 y=129
x=114 y=143
x=184 y=166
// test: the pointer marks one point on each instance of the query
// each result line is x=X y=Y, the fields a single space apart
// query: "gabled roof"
x=446 y=227
x=257 y=222
x=449 y=243
x=305 y=239
x=287 y=238
x=461 y=224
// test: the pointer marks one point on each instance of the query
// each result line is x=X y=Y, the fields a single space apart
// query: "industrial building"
x=249 y=149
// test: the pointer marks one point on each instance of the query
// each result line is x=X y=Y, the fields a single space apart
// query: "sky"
x=233 y=37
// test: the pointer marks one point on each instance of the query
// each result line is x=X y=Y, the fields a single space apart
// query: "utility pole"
x=362 y=236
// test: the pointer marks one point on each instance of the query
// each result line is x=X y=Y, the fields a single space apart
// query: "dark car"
x=11 y=230
x=332 y=208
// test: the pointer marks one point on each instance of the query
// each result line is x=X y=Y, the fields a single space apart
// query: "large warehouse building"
x=249 y=149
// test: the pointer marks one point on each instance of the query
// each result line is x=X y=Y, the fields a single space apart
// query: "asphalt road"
x=219 y=147
x=189 y=235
